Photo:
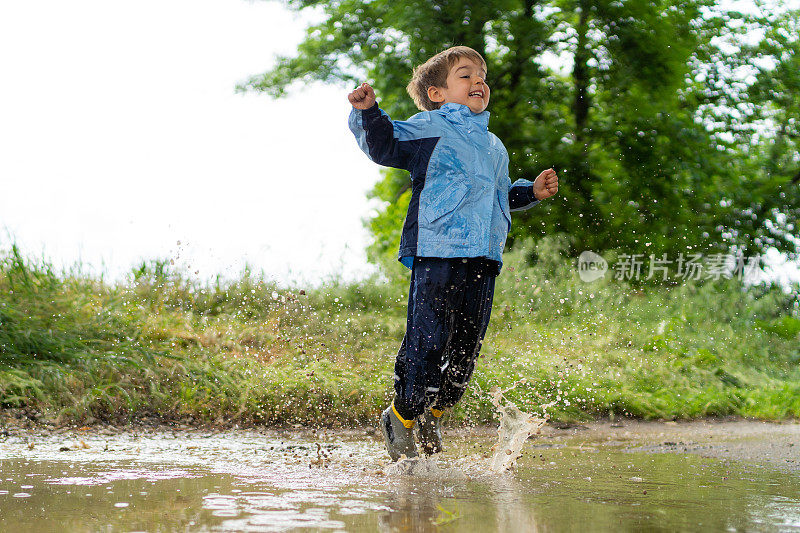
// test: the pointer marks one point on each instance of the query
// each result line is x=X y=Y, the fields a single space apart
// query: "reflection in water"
x=252 y=482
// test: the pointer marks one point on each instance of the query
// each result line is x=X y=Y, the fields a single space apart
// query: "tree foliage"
x=662 y=144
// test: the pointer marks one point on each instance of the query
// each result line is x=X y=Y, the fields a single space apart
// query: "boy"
x=453 y=236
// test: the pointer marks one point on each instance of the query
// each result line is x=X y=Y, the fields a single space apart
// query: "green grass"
x=76 y=348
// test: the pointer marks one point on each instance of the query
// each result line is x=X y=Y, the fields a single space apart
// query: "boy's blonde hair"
x=433 y=73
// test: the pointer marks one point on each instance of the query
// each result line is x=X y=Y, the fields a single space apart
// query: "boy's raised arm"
x=524 y=194
x=521 y=195
x=391 y=143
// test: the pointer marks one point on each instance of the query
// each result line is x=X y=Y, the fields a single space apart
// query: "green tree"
x=761 y=116
x=611 y=93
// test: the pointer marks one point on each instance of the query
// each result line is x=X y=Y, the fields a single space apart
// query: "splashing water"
x=515 y=428
x=426 y=467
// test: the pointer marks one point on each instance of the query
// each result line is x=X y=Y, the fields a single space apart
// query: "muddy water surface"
x=603 y=478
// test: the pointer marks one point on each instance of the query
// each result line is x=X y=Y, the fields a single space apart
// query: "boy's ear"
x=435 y=94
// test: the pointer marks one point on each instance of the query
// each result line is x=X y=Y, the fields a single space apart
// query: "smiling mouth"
x=476 y=94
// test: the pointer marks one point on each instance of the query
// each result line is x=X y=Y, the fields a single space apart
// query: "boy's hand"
x=546 y=184
x=363 y=97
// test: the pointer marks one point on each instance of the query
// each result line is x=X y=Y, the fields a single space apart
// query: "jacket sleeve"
x=520 y=195
x=391 y=143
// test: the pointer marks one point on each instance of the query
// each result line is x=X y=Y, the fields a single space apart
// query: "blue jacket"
x=461 y=195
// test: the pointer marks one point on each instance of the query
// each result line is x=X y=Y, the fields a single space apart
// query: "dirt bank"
x=767 y=443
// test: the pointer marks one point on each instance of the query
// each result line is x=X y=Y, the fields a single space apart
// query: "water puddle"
x=273 y=481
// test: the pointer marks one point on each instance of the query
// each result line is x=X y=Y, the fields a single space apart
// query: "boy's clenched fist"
x=363 y=97
x=546 y=184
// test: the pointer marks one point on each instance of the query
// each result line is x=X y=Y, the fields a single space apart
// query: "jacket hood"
x=462 y=114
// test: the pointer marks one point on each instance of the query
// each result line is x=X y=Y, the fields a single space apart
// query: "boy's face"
x=466 y=84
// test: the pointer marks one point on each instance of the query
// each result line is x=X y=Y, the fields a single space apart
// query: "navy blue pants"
x=449 y=304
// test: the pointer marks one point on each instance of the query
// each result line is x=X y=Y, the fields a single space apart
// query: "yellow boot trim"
x=406 y=423
x=437 y=413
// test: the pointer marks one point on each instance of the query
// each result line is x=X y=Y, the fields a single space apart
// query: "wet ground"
x=699 y=476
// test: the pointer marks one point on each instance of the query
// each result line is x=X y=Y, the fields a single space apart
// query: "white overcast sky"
x=121 y=138
x=121 y=135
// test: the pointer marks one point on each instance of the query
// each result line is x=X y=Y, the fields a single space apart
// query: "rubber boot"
x=398 y=434
x=429 y=431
